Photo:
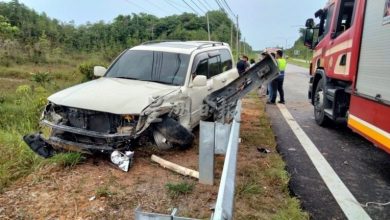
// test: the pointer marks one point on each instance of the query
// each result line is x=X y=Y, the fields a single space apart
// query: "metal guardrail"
x=225 y=199
x=215 y=138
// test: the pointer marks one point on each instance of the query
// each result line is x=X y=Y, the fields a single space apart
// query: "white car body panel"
x=112 y=95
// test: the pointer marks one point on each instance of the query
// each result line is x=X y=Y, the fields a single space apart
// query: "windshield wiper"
x=125 y=77
x=156 y=81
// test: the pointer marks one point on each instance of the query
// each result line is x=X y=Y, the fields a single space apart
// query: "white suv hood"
x=113 y=95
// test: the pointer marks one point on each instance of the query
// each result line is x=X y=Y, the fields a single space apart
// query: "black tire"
x=174 y=133
x=320 y=102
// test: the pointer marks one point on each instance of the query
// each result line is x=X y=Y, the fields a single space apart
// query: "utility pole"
x=231 y=36
x=244 y=46
x=208 y=25
x=152 y=31
x=237 y=40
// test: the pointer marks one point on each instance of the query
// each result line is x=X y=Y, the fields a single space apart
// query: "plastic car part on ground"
x=122 y=160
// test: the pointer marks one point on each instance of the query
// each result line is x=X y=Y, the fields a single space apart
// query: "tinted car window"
x=162 y=67
x=214 y=66
x=202 y=68
x=226 y=60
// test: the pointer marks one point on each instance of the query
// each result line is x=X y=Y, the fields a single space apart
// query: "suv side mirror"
x=310 y=23
x=199 y=81
x=99 y=71
x=309 y=36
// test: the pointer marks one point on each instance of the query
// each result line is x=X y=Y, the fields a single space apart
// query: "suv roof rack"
x=211 y=44
x=159 y=41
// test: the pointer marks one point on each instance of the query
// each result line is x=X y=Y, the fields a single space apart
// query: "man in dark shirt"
x=242 y=65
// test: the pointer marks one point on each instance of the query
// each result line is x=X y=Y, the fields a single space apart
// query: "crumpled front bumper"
x=47 y=144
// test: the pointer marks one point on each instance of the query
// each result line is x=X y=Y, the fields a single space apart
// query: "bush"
x=42 y=78
x=87 y=70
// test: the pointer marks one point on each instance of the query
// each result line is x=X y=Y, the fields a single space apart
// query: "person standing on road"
x=277 y=84
x=242 y=65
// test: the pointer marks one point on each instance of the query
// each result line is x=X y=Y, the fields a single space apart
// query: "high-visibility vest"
x=282 y=63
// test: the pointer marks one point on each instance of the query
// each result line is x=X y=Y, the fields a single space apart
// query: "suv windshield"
x=155 y=66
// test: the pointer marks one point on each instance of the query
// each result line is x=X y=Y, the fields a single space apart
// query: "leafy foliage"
x=87 y=70
x=41 y=78
x=43 y=37
x=304 y=52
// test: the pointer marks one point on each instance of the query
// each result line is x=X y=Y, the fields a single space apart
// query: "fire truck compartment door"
x=373 y=79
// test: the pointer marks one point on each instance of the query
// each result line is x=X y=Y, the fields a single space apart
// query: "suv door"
x=216 y=65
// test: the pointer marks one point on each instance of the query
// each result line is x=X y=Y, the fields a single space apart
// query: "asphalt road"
x=363 y=168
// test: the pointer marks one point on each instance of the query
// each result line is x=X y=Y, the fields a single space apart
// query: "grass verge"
x=23 y=94
x=262 y=181
x=176 y=189
x=299 y=63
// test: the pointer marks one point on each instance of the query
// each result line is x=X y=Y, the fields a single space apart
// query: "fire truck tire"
x=320 y=102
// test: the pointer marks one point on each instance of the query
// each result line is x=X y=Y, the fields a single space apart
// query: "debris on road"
x=174 y=167
x=375 y=203
x=122 y=160
x=263 y=150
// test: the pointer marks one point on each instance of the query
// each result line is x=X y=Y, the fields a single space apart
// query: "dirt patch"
x=97 y=189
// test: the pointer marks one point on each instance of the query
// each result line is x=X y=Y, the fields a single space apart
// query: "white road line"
x=340 y=192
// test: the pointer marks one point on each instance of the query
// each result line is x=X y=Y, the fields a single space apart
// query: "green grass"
x=103 y=191
x=291 y=211
x=262 y=182
x=66 y=159
x=22 y=98
x=249 y=188
x=299 y=63
x=176 y=189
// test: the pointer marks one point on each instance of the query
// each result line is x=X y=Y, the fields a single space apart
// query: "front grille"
x=90 y=120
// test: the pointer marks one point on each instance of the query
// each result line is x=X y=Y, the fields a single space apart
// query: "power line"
x=197 y=6
x=191 y=7
x=207 y=3
x=220 y=6
x=224 y=1
x=179 y=4
x=174 y=6
x=133 y=3
x=201 y=2
x=152 y=3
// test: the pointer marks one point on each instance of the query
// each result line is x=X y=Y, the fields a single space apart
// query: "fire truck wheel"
x=320 y=102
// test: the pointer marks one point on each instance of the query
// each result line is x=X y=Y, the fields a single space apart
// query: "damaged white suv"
x=154 y=89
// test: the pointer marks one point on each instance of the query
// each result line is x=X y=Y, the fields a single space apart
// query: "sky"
x=263 y=23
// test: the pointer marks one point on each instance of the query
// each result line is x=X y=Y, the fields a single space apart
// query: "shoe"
x=271 y=103
x=281 y=102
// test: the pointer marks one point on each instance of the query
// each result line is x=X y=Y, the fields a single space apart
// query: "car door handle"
x=223 y=80
x=210 y=88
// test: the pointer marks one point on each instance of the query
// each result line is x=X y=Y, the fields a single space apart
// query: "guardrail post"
x=206 y=152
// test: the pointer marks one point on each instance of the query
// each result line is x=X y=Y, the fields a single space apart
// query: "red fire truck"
x=350 y=69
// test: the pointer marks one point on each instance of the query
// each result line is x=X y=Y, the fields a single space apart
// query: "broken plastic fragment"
x=122 y=160
x=263 y=150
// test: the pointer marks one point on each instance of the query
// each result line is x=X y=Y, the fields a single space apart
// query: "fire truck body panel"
x=369 y=112
x=351 y=59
